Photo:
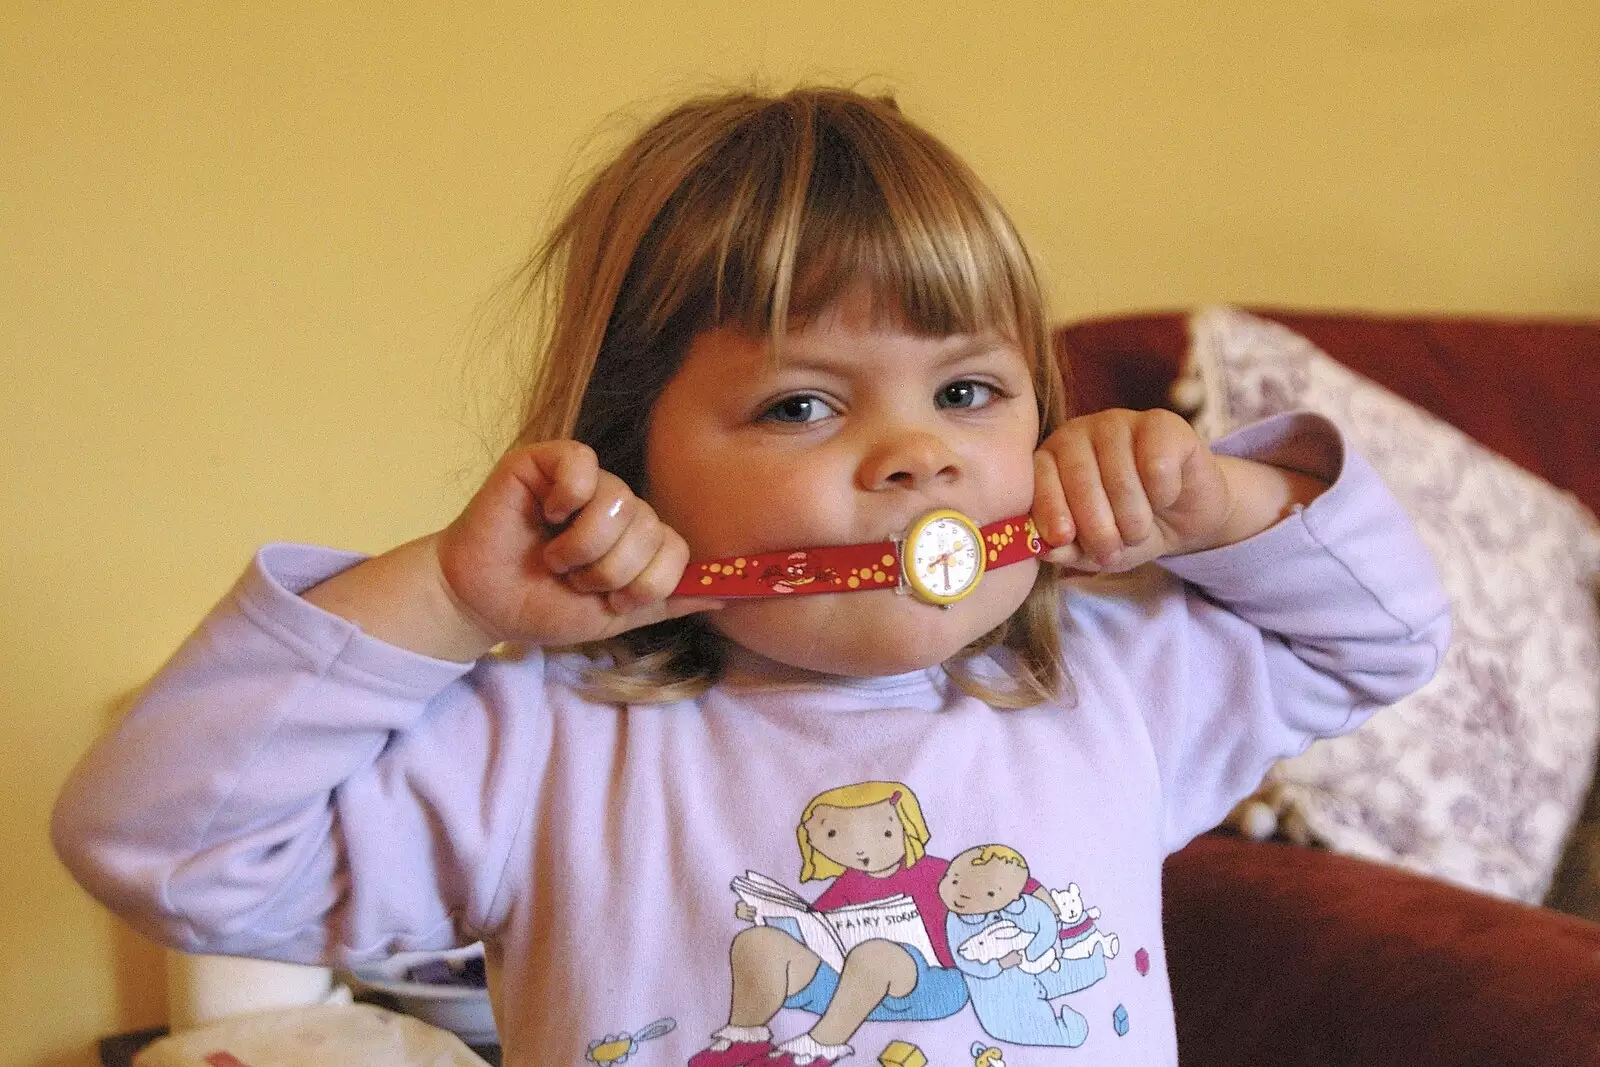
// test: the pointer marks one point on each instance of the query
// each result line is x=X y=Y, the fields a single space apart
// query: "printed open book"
x=831 y=934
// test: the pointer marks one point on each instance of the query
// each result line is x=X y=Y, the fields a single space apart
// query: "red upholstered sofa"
x=1288 y=956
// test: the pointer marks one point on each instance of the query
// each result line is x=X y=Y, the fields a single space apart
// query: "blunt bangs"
x=819 y=191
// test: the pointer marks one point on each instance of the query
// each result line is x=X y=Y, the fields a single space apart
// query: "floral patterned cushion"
x=1479 y=778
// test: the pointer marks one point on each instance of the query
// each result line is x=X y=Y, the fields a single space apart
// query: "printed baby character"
x=993 y=928
x=1079 y=935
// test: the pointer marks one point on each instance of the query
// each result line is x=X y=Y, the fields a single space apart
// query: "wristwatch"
x=940 y=560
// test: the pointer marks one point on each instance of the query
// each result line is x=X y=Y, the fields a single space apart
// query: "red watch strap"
x=1012 y=541
x=839 y=568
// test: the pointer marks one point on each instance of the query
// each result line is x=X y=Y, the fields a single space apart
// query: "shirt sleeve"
x=289 y=787
x=1301 y=632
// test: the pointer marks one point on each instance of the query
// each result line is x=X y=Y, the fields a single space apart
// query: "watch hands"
x=944 y=562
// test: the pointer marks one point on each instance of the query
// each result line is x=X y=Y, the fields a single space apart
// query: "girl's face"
x=869 y=839
x=861 y=428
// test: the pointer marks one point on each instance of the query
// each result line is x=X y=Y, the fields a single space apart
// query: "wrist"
x=461 y=629
x=402 y=599
x=1259 y=497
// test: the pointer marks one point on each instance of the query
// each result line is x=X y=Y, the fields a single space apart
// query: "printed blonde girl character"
x=1005 y=945
x=871 y=839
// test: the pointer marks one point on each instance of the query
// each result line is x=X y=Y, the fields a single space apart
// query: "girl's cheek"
x=830 y=850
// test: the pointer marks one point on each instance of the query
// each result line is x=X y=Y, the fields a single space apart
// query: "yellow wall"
x=239 y=245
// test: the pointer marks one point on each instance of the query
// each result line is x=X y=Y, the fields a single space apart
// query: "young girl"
x=775 y=327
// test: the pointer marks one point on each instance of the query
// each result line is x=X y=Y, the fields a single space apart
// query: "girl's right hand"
x=552 y=550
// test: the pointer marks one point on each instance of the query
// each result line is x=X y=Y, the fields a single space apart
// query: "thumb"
x=629 y=617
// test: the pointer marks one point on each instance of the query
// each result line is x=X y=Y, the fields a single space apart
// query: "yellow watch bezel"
x=908 y=553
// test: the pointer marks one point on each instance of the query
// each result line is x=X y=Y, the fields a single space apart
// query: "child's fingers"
x=650 y=592
x=599 y=524
x=1120 y=479
x=574 y=480
x=508 y=512
x=625 y=559
x=560 y=476
x=530 y=487
x=670 y=608
x=1079 y=467
x=1050 y=512
x=1163 y=442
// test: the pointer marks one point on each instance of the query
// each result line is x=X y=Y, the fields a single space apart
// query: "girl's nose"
x=914 y=459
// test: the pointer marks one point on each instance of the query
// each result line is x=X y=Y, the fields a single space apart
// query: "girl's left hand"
x=1119 y=488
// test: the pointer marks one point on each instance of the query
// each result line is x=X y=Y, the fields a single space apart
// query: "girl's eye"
x=800 y=408
x=833 y=833
x=965 y=394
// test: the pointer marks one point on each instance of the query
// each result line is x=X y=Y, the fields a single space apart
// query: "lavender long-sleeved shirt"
x=290 y=787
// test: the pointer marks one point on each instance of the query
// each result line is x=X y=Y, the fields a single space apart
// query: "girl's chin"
x=849 y=659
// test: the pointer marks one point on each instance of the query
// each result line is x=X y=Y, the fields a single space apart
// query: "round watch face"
x=944 y=556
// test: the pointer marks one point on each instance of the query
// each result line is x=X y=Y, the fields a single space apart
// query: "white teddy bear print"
x=1079 y=935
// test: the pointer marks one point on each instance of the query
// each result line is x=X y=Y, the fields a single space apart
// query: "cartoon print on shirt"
x=1005 y=943
x=987 y=1055
x=902 y=1054
x=897 y=935
x=1079 y=934
x=616 y=1048
x=869 y=839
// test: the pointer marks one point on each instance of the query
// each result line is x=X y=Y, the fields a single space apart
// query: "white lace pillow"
x=1478 y=778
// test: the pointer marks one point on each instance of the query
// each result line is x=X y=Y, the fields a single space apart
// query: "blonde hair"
x=758 y=212
x=814 y=864
x=1000 y=854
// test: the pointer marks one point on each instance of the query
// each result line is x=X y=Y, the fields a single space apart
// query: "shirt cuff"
x=269 y=595
x=1353 y=534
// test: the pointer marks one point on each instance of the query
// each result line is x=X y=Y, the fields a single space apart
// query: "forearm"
x=401 y=598
x=1345 y=579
